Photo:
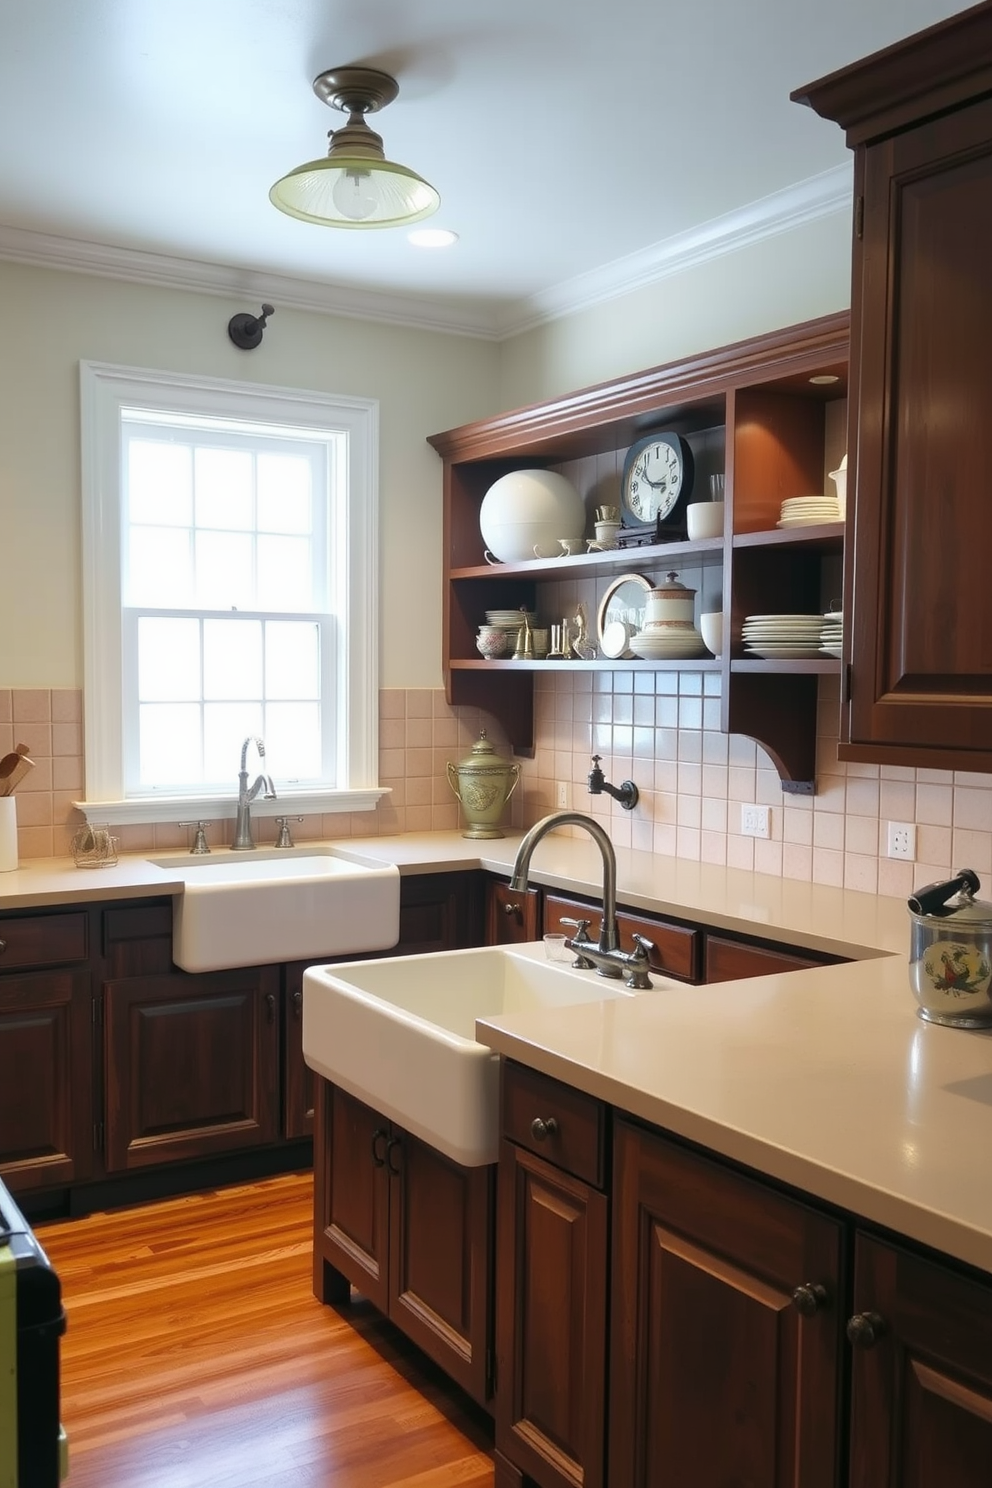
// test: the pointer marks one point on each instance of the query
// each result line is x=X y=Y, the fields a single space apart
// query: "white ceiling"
x=573 y=142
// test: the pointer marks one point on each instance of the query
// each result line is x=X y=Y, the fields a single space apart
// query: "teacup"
x=572 y=545
x=704 y=519
x=607 y=533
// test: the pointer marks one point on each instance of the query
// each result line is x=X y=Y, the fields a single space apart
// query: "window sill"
x=144 y=810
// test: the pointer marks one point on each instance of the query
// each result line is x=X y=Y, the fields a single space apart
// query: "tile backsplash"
x=658 y=728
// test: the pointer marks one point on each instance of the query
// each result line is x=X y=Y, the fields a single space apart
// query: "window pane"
x=168 y=660
x=160 y=482
x=284 y=494
x=225 y=728
x=224 y=579
x=284 y=574
x=224 y=489
x=292 y=659
x=232 y=659
x=160 y=568
x=293 y=740
x=169 y=744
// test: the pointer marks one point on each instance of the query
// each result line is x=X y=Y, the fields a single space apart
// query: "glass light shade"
x=354 y=191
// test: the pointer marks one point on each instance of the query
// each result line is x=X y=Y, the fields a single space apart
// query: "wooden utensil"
x=13 y=768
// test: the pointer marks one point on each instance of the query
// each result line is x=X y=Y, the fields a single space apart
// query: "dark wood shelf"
x=826 y=537
x=601 y=664
x=815 y=666
x=598 y=565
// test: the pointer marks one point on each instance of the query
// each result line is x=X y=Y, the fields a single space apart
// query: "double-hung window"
x=229 y=592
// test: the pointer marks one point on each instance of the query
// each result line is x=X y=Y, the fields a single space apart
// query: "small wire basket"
x=94 y=847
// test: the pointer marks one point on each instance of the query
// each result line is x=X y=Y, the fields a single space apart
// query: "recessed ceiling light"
x=432 y=237
x=823 y=378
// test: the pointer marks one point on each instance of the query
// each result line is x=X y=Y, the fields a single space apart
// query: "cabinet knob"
x=297 y=1003
x=270 y=1003
x=540 y=1129
x=3 y=945
x=809 y=1298
x=510 y=909
x=378 y=1158
x=864 y=1329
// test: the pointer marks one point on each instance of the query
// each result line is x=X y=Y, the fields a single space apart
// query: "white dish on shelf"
x=615 y=640
x=783 y=653
x=837 y=651
x=788 y=522
x=653 y=647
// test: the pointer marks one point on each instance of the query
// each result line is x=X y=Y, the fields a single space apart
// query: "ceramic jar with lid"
x=483 y=783
x=669 y=633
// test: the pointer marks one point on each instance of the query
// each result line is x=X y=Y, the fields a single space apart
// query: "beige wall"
x=51 y=320
x=778 y=282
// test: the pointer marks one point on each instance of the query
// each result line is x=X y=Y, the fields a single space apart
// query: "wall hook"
x=246 y=330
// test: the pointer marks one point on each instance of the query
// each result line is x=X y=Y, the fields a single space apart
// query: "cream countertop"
x=824 y=1079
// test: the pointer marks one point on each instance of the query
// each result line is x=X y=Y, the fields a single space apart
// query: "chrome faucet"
x=243 y=839
x=608 y=959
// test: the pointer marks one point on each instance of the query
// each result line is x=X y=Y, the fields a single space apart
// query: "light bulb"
x=354 y=195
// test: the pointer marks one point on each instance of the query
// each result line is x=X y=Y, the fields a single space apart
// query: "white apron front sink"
x=251 y=909
x=399 y=1034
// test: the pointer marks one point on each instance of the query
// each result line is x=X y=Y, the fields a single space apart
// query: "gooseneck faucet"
x=243 y=839
x=608 y=959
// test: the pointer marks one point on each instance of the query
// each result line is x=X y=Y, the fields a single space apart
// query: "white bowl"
x=711 y=630
x=528 y=509
x=704 y=519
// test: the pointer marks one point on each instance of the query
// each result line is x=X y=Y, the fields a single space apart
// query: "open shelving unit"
x=753 y=409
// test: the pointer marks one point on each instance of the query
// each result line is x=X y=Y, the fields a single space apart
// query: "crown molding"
x=783 y=211
x=137 y=266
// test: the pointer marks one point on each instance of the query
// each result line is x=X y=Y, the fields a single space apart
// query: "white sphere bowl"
x=528 y=508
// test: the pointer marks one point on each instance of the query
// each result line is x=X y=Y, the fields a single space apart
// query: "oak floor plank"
x=196 y=1356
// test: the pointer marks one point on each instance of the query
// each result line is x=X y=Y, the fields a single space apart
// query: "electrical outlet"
x=561 y=795
x=902 y=841
x=755 y=821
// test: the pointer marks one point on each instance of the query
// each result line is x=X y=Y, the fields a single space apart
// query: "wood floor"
x=196 y=1356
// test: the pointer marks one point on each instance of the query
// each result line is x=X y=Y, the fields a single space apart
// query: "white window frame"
x=105 y=389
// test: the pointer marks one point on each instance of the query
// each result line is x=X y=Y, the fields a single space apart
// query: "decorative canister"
x=483 y=783
x=950 y=957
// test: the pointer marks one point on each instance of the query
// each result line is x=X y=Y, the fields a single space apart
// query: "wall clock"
x=655 y=486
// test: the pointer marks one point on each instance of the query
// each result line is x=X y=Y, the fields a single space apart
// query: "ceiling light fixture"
x=356 y=186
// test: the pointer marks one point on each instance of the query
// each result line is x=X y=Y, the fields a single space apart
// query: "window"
x=229 y=590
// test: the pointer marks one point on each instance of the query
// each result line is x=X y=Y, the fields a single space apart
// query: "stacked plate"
x=809 y=511
x=510 y=620
x=673 y=640
x=782 y=637
x=832 y=634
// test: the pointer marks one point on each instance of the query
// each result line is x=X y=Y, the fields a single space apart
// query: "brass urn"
x=483 y=783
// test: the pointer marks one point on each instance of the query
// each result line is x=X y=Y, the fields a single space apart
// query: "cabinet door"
x=715 y=1375
x=550 y=1322
x=439 y=912
x=192 y=1065
x=918 y=601
x=351 y=1199
x=46 y=1111
x=921 y=1414
x=511 y=914
x=440 y=1266
x=297 y=1077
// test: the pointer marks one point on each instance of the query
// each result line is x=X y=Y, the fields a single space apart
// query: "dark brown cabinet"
x=726 y=1327
x=552 y=1250
x=411 y=1230
x=191 y=1066
x=46 y=1006
x=921 y=1414
x=918 y=615
x=728 y=959
x=512 y=915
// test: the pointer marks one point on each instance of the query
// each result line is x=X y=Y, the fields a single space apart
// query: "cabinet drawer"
x=728 y=960
x=576 y=1140
x=676 y=950
x=42 y=940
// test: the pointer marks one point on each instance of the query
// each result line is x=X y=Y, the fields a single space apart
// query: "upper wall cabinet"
x=762 y=412
x=918 y=600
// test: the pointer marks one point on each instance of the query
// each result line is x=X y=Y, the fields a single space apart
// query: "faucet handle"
x=638 y=963
x=285 y=838
x=200 y=844
x=579 y=939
